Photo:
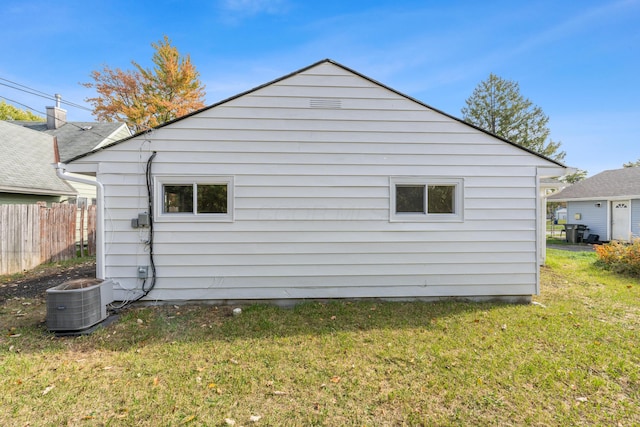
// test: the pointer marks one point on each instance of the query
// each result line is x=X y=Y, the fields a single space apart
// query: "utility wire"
x=63 y=121
x=26 y=87
x=31 y=91
x=21 y=104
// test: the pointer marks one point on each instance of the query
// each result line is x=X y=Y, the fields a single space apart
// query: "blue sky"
x=577 y=60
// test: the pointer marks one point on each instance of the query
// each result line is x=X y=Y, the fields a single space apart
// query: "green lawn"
x=570 y=359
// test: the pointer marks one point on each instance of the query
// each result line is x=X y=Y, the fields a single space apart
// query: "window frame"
x=160 y=181
x=425 y=182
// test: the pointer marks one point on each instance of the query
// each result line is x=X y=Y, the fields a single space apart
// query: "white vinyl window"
x=426 y=199
x=199 y=198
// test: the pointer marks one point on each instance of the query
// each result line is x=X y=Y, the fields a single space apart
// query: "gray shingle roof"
x=25 y=162
x=611 y=183
x=76 y=138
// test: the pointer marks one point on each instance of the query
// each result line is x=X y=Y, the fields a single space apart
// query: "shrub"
x=620 y=257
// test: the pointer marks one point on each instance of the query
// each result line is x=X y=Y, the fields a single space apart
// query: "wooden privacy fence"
x=34 y=234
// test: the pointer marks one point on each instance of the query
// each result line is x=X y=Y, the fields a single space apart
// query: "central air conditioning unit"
x=78 y=304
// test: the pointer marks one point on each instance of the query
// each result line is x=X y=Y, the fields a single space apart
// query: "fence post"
x=82 y=232
x=91 y=230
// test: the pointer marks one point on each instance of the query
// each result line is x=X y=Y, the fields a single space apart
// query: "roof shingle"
x=26 y=158
x=76 y=138
x=611 y=183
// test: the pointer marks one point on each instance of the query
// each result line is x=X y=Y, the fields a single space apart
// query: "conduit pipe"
x=100 y=241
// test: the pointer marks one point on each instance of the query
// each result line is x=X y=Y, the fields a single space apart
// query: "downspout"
x=100 y=241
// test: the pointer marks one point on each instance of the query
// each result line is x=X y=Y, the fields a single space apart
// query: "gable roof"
x=77 y=138
x=25 y=161
x=614 y=183
x=324 y=61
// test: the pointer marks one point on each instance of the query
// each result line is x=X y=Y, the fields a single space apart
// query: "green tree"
x=497 y=106
x=9 y=112
x=147 y=97
x=577 y=176
x=632 y=164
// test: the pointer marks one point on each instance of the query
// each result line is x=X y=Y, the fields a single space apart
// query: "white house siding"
x=591 y=215
x=84 y=190
x=312 y=189
x=120 y=133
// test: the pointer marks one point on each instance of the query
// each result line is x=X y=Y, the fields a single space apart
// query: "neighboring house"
x=561 y=214
x=321 y=184
x=608 y=203
x=76 y=138
x=26 y=174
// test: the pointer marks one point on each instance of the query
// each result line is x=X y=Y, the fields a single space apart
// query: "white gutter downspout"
x=100 y=247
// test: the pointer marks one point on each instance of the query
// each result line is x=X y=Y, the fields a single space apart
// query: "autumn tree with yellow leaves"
x=147 y=97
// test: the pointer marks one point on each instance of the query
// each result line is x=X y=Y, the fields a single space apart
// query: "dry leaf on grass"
x=188 y=419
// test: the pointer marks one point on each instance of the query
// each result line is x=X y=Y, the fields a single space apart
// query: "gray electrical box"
x=140 y=222
x=143 y=220
x=143 y=272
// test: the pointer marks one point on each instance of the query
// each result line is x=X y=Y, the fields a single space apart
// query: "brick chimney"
x=56 y=116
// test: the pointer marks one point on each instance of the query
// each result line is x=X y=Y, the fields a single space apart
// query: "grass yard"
x=570 y=359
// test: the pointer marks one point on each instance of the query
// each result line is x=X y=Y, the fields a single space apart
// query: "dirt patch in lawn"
x=33 y=284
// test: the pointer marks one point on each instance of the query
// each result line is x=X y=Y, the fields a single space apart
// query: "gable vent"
x=325 y=103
